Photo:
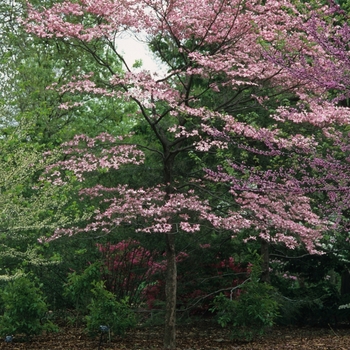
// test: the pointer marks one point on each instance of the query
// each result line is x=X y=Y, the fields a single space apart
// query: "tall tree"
x=218 y=70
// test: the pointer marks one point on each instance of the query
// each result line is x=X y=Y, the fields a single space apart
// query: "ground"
x=202 y=336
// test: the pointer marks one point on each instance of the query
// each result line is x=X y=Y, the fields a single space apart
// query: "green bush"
x=250 y=313
x=314 y=304
x=105 y=310
x=79 y=286
x=25 y=309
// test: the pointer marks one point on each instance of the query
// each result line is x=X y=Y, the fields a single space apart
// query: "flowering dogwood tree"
x=223 y=58
x=318 y=164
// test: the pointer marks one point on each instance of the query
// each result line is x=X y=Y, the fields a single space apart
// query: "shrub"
x=78 y=288
x=24 y=309
x=251 y=311
x=105 y=310
x=128 y=268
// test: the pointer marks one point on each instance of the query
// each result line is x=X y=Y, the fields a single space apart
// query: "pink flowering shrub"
x=134 y=271
x=138 y=273
x=128 y=267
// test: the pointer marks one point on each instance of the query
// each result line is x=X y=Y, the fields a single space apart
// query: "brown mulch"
x=203 y=336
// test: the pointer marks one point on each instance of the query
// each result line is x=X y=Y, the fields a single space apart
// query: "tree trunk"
x=345 y=282
x=170 y=294
x=265 y=262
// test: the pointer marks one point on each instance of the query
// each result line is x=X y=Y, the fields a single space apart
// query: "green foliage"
x=313 y=304
x=104 y=309
x=250 y=313
x=309 y=287
x=25 y=309
x=79 y=286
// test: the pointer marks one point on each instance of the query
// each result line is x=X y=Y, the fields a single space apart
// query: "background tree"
x=33 y=120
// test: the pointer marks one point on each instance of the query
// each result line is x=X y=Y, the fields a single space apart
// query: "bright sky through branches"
x=134 y=49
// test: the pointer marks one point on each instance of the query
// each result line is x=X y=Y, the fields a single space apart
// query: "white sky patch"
x=134 y=49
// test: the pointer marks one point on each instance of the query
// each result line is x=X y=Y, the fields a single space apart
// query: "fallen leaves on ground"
x=198 y=337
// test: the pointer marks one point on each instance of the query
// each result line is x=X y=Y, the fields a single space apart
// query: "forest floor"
x=202 y=336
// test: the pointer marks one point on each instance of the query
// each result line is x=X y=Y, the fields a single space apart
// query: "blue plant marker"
x=8 y=338
x=104 y=329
